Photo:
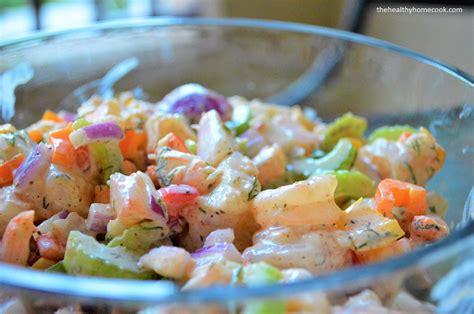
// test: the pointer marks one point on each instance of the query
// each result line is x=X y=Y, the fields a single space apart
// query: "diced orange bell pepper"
x=63 y=151
x=174 y=142
x=133 y=141
x=394 y=193
x=35 y=135
x=51 y=116
x=8 y=167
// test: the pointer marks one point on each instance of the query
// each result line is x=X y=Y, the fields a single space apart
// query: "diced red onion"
x=63 y=214
x=98 y=132
x=36 y=162
x=192 y=100
x=157 y=207
x=227 y=250
x=66 y=115
x=99 y=216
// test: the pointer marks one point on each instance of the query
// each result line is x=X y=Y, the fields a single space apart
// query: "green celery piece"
x=108 y=157
x=348 y=125
x=240 y=121
x=265 y=307
x=85 y=256
x=258 y=274
x=191 y=145
x=57 y=268
x=391 y=133
x=80 y=123
x=341 y=157
x=141 y=238
x=351 y=184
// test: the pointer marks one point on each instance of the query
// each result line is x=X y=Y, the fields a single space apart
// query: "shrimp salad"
x=206 y=190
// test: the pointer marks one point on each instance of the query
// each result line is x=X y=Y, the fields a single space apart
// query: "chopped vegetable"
x=173 y=142
x=393 y=193
x=85 y=256
x=192 y=100
x=391 y=133
x=142 y=237
x=240 y=120
x=348 y=125
x=96 y=133
x=63 y=150
x=191 y=146
x=51 y=116
x=262 y=274
x=352 y=184
x=7 y=169
x=341 y=157
x=133 y=142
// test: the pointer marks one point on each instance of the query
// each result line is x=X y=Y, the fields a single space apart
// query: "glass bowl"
x=284 y=63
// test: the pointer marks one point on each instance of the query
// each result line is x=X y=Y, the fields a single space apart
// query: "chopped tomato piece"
x=393 y=193
x=63 y=151
x=8 y=167
x=174 y=142
x=404 y=136
x=133 y=141
x=52 y=116
x=129 y=167
x=178 y=196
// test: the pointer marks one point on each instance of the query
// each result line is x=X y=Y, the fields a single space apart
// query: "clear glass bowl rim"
x=117 y=290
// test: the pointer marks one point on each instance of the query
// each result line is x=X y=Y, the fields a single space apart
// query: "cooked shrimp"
x=15 y=246
x=271 y=164
x=428 y=228
x=318 y=251
x=414 y=159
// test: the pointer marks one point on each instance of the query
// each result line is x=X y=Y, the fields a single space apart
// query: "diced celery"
x=391 y=133
x=57 y=268
x=261 y=274
x=108 y=157
x=80 y=123
x=348 y=125
x=141 y=238
x=352 y=184
x=191 y=145
x=240 y=120
x=85 y=256
x=341 y=157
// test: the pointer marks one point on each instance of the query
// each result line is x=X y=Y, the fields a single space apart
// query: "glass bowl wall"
x=331 y=71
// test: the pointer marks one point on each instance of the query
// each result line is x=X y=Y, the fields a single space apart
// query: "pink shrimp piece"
x=15 y=246
x=428 y=228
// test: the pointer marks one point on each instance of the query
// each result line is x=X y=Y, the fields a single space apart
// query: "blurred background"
x=446 y=36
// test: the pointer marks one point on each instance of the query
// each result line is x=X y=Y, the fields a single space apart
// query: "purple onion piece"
x=192 y=100
x=216 y=248
x=106 y=130
x=157 y=207
x=63 y=214
x=66 y=115
x=37 y=161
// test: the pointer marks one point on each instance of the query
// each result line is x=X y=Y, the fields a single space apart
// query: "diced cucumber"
x=341 y=157
x=85 y=256
x=141 y=238
x=348 y=125
x=391 y=133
